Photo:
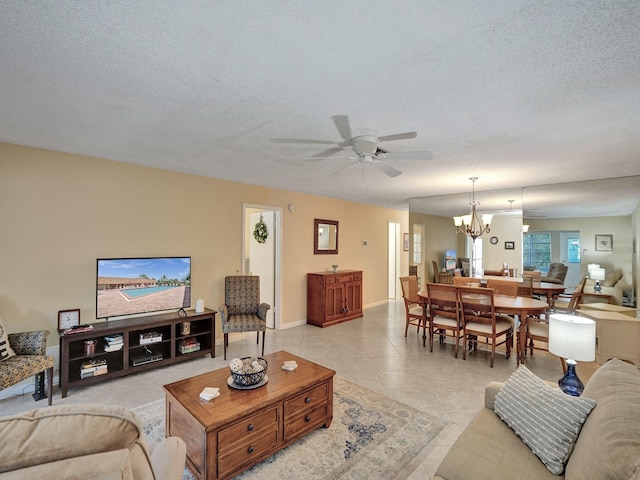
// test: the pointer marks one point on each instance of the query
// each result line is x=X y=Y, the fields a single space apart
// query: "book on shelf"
x=188 y=345
x=116 y=347
x=94 y=372
x=114 y=339
x=71 y=331
x=150 y=337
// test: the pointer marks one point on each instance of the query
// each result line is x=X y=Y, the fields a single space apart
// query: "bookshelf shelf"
x=134 y=357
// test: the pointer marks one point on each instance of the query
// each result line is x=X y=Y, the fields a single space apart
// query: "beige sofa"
x=613 y=284
x=608 y=446
x=84 y=442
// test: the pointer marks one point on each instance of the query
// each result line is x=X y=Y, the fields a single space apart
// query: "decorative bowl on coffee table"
x=253 y=375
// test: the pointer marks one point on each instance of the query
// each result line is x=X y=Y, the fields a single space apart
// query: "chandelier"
x=471 y=224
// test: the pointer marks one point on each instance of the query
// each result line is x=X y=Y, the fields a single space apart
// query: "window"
x=573 y=250
x=417 y=247
x=537 y=250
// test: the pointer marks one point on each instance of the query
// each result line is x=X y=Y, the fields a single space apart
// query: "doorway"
x=570 y=256
x=263 y=258
x=394 y=260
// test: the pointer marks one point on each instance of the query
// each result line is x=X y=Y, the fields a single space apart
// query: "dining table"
x=523 y=307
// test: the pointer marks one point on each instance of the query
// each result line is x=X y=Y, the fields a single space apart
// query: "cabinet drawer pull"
x=307 y=400
x=250 y=449
x=250 y=427
x=307 y=419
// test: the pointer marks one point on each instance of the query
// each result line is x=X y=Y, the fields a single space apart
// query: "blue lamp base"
x=570 y=383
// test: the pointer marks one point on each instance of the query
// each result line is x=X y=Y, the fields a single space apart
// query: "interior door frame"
x=394 y=260
x=277 y=211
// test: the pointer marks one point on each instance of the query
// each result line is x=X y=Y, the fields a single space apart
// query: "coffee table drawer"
x=246 y=452
x=310 y=420
x=306 y=401
x=246 y=429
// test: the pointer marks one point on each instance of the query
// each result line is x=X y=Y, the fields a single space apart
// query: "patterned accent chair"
x=242 y=310
x=30 y=359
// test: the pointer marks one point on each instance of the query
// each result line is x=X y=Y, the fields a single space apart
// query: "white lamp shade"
x=590 y=267
x=457 y=221
x=597 y=274
x=572 y=337
x=525 y=228
x=466 y=219
x=486 y=218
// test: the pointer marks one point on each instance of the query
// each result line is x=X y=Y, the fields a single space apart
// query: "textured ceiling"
x=515 y=92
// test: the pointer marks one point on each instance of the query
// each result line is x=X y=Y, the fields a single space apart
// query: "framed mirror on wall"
x=325 y=237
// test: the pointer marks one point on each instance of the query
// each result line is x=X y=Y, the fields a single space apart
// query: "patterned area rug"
x=371 y=436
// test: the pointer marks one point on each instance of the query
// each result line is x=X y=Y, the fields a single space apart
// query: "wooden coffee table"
x=240 y=428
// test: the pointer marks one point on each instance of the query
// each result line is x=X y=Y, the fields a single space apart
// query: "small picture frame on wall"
x=405 y=242
x=604 y=243
x=509 y=245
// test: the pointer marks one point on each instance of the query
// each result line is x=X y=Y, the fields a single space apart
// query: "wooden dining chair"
x=466 y=281
x=525 y=289
x=443 y=314
x=503 y=287
x=538 y=328
x=412 y=305
x=479 y=319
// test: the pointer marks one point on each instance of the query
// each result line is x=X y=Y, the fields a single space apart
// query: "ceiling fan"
x=365 y=147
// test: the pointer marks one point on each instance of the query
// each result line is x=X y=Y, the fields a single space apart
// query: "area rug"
x=371 y=436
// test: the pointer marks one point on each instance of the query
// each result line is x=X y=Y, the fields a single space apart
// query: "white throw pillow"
x=546 y=419
x=5 y=349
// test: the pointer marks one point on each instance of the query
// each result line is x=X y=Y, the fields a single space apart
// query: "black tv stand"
x=134 y=356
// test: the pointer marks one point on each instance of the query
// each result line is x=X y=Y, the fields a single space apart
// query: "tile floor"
x=371 y=351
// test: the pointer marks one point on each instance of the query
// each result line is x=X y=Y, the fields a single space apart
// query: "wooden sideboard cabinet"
x=334 y=297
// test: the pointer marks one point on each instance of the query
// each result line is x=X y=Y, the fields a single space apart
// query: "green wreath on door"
x=260 y=232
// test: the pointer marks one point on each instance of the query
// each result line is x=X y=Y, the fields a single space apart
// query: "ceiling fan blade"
x=388 y=169
x=342 y=168
x=302 y=140
x=398 y=136
x=344 y=126
x=326 y=153
x=315 y=159
x=406 y=156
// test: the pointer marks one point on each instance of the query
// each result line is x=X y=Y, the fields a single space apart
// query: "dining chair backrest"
x=535 y=274
x=576 y=296
x=466 y=281
x=503 y=287
x=442 y=299
x=525 y=289
x=436 y=270
x=477 y=305
x=409 y=286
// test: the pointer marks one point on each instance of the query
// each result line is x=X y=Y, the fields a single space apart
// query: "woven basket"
x=248 y=379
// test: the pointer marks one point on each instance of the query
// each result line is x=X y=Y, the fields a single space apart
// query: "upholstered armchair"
x=556 y=274
x=30 y=349
x=242 y=310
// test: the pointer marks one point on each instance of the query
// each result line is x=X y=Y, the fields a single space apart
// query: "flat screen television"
x=133 y=286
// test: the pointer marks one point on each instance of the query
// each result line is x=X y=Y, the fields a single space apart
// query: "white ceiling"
x=515 y=92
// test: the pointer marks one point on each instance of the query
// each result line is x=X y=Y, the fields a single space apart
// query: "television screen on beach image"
x=130 y=286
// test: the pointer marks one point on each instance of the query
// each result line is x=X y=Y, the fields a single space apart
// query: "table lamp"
x=597 y=274
x=574 y=339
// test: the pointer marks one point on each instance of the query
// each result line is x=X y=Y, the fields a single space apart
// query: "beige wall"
x=60 y=212
x=440 y=236
x=507 y=228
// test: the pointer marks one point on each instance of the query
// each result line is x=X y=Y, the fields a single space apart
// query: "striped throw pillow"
x=546 y=419
x=5 y=349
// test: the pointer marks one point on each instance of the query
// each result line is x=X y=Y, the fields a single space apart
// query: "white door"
x=261 y=258
x=569 y=249
x=394 y=260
